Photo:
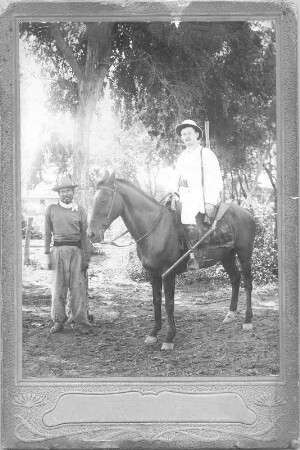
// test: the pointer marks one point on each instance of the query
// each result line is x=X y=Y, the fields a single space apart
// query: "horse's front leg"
x=169 y=290
x=156 y=283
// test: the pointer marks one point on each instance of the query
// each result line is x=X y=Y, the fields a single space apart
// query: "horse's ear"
x=104 y=179
x=106 y=176
x=112 y=177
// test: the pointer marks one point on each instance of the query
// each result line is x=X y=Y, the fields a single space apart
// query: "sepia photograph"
x=149 y=199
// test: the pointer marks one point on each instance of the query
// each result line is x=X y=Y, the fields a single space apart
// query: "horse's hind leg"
x=245 y=260
x=231 y=268
x=156 y=283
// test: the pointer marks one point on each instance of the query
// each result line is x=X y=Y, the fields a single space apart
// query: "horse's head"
x=107 y=206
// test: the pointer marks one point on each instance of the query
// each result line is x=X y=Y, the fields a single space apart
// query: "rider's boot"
x=191 y=236
x=192 y=263
x=203 y=225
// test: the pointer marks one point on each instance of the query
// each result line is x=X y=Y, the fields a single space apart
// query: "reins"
x=153 y=226
x=112 y=242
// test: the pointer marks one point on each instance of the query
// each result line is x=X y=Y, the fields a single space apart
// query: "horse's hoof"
x=247 y=326
x=230 y=317
x=150 y=340
x=167 y=346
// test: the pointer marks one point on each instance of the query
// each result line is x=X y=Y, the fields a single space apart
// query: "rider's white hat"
x=188 y=123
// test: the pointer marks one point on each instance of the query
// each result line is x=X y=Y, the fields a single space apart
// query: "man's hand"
x=85 y=265
x=171 y=199
x=48 y=261
x=210 y=210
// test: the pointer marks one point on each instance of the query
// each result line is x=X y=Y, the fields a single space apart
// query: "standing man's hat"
x=189 y=123
x=64 y=183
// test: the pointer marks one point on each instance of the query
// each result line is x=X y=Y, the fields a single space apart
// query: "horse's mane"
x=137 y=189
x=131 y=185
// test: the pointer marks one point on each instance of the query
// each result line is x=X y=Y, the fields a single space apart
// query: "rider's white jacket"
x=188 y=181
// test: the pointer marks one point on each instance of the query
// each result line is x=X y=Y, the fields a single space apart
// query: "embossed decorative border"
x=274 y=401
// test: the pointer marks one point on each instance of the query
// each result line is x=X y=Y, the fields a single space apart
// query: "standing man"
x=66 y=224
x=199 y=184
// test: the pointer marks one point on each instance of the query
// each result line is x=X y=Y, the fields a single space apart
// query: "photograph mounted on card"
x=152 y=167
x=106 y=140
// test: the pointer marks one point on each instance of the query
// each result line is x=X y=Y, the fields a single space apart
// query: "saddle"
x=222 y=236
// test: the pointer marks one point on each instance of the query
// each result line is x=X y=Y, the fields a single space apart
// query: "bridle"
x=112 y=202
x=111 y=208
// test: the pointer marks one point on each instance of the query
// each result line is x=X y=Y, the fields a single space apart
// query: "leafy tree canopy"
x=162 y=73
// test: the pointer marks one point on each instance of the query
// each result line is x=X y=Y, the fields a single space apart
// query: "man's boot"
x=192 y=263
x=191 y=236
x=57 y=327
x=202 y=252
x=203 y=225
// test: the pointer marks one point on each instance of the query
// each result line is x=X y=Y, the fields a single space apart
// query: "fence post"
x=27 y=241
x=207 y=138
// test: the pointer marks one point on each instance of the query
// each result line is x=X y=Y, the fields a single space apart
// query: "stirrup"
x=192 y=263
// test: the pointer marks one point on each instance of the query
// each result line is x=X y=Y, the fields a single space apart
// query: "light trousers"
x=68 y=278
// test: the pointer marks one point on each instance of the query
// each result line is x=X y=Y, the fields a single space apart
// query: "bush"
x=36 y=231
x=265 y=252
x=216 y=272
x=134 y=269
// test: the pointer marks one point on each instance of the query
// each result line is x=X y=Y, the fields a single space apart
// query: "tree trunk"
x=90 y=79
x=81 y=152
x=99 y=47
x=27 y=241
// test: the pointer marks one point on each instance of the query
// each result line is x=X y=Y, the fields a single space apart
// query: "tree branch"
x=271 y=178
x=65 y=49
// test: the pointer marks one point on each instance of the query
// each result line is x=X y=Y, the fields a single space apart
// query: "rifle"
x=212 y=228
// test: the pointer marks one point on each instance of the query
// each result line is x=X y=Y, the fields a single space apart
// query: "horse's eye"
x=104 y=200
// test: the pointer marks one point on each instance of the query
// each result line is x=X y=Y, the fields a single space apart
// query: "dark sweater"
x=65 y=225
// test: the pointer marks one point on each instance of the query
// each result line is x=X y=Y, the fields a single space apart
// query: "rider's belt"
x=70 y=243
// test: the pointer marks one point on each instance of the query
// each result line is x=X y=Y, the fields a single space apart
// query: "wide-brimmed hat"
x=188 y=123
x=64 y=183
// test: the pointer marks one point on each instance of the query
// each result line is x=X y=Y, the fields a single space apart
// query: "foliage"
x=265 y=252
x=221 y=72
x=36 y=232
x=135 y=270
x=42 y=44
x=55 y=156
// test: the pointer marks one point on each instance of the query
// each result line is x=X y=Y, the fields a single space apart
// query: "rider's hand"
x=48 y=261
x=210 y=210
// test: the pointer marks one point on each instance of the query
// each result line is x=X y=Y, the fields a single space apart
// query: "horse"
x=156 y=233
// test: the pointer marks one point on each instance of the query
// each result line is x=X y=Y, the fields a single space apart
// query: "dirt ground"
x=123 y=316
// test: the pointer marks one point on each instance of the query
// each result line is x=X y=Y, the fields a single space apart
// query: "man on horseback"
x=198 y=184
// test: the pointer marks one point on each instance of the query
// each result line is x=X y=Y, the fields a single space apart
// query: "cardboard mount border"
x=34 y=413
